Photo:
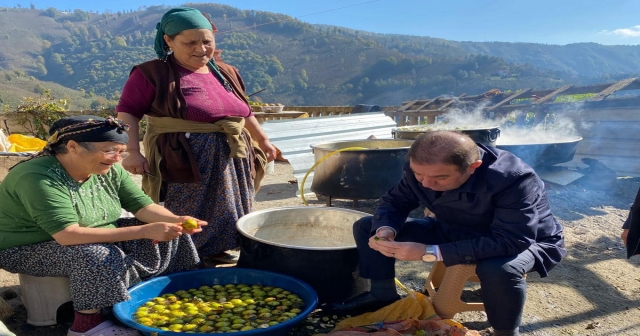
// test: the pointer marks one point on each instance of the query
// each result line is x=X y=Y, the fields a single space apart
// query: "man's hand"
x=398 y=250
x=624 y=235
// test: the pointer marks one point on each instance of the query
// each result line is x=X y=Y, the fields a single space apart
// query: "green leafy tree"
x=37 y=114
x=51 y=12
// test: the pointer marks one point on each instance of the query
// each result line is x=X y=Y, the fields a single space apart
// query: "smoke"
x=555 y=127
x=517 y=127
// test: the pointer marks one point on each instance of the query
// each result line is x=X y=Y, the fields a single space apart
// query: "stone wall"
x=7 y=162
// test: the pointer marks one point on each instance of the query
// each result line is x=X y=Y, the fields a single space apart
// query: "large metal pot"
x=358 y=174
x=544 y=154
x=313 y=244
x=484 y=135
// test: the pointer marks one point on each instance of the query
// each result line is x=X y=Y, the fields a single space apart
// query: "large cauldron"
x=359 y=174
x=313 y=244
x=484 y=135
x=544 y=154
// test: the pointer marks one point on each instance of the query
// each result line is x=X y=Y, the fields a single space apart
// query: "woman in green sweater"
x=60 y=216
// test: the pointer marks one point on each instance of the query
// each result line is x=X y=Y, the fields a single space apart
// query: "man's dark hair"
x=444 y=147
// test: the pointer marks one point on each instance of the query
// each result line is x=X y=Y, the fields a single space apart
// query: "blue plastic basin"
x=144 y=291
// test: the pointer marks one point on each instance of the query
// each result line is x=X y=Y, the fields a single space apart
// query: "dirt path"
x=594 y=291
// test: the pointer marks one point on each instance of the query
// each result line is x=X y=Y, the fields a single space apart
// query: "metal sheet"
x=294 y=137
x=561 y=177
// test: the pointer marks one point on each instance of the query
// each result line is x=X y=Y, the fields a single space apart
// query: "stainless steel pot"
x=359 y=174
x=484 y=135
x=313 y=244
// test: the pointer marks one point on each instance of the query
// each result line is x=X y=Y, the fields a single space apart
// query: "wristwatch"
x=430 y=254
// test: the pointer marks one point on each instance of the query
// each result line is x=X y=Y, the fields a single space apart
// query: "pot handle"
x=493 y=134
x=254 y=248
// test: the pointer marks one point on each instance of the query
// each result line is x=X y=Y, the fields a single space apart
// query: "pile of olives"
x=220 y=309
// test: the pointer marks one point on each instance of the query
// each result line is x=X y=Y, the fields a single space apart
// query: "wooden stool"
x=42 y=296
x=445 y=285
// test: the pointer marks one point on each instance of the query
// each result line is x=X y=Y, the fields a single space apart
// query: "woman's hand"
x=268 y=149
x=162 y=231
x=136 y=163
x=201 y=223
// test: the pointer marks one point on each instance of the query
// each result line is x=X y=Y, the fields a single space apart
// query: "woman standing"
x=202 y=142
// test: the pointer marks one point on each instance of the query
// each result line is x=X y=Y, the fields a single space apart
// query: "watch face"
x=429 y=257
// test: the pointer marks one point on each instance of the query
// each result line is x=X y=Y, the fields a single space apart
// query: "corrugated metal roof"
x=294 y=137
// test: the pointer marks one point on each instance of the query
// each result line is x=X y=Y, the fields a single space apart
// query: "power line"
x=294 y=18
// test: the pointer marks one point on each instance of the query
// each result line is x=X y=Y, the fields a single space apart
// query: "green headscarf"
x=175 y=21
x=180 y=19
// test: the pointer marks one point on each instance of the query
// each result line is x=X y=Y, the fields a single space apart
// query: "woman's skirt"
x=100 y=274
x=225 y=193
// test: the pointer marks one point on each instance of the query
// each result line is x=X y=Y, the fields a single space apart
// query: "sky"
x=542 y=21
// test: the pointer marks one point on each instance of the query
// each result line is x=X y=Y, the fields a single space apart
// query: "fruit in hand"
x=190 y=224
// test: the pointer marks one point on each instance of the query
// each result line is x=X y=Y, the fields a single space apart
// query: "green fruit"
x=219 y=309
x=190 y=224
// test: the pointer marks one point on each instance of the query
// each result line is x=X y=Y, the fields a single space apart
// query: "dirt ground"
x=594 y=291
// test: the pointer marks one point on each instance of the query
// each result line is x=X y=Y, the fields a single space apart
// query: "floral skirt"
x=225 y=193
x=100 y=274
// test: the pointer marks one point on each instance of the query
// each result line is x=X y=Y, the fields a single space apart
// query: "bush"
x=37 y=114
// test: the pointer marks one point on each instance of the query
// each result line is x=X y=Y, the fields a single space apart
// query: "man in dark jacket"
x=631 y=229
x=490 y=208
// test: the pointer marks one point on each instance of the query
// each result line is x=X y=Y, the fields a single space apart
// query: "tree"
x=51 y=12
x=120 y=41
x=39 y=89
x=99 y=103
x=41 y=69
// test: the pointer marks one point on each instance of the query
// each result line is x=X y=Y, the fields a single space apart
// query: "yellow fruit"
x=190 y=224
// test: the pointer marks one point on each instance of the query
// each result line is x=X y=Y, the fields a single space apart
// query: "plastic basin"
x=144 y=291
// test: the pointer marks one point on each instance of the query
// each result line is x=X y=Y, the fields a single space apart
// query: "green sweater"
x=38 y=198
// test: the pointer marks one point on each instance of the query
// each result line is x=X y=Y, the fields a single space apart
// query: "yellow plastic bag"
x=415 y=306
x=23 y=143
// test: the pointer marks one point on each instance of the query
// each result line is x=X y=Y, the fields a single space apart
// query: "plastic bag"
x=23 y=143
x=406 y=316
x=432 y=327
x=4 y=142
x=415 y=306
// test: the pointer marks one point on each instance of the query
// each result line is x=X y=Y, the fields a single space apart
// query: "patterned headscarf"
x=177 y=20
x=88 y=128
x=83 y=128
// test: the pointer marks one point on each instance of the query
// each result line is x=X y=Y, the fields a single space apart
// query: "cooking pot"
x=313 y=244
x=359 y=174
x=544 y=154
x=484 y=135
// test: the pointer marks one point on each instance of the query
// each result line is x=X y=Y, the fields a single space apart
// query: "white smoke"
x=516 y=127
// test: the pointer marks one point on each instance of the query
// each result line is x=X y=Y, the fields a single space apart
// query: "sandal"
x=106 y=328
x=222 y=258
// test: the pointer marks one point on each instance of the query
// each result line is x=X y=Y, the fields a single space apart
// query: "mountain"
x=295 y=62
x=586 y=59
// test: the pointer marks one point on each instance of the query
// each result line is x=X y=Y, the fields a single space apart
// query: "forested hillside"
x=296 y=63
